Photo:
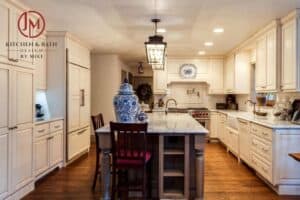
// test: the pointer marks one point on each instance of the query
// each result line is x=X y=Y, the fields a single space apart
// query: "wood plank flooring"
x=225 y=179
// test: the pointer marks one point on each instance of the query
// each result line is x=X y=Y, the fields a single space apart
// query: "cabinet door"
x=244 y=141
x=216 y=77
x=40 y=65
x=84 y=97
x=78 y=142
x=229 y=74
x=160 y=81
x=214 y=125
x=56 y=148
x=74 y=97
x=41 y=161
x=271 y=67
x=289 y=56
x=4 y=164
x=4 y=19
x=22 y=154
x=4 y=96
x=78 y=54
x=23 y=96
x=261 y=61
x=242 y=73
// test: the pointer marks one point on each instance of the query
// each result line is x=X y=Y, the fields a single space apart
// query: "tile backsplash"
x=192 y=95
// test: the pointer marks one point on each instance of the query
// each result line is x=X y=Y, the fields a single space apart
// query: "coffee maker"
x=296 y=111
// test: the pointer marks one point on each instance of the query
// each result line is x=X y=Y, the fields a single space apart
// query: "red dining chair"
x=129 y=151
x=98 y=122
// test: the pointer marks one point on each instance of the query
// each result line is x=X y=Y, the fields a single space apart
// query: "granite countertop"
x=268 y=121
x=172 y=123
x=47 y=120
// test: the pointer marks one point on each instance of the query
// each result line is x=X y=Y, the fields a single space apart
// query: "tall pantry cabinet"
x=68 y=90
x=16 y=110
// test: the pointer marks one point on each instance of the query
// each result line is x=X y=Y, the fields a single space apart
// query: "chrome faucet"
x=252 y=103
x=167 y=102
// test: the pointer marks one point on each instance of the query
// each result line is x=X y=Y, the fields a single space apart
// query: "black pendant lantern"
x=156 y=49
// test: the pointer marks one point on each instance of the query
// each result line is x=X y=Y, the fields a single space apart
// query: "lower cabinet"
x=78 y=142
x=244 y=141
x=232 y=140
x=214 y=120
x=221 y=126
x=4 y=165
x=22 y=153
x=48 y=147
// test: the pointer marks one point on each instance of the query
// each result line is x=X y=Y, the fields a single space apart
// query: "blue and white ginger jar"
x=126 y=104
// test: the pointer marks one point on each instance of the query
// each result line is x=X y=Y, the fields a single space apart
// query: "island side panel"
x=199 y=166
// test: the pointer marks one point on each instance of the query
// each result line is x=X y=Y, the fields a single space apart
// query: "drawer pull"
x=255 y=144
x=57 y=126
x=264 y=169
x=50 y=138
x=41 y=131
x=264 y=133
x=81 y=132
x=265 y=149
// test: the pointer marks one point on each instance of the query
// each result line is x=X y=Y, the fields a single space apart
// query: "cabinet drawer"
x=261 y=148
x=78 y=142
x=42 y=129
x=261 y=131
x=57 y=125
x=265 y=169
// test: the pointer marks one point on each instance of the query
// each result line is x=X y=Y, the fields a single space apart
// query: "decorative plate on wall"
x=188 y=71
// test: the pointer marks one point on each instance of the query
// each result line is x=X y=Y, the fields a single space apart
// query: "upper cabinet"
x=40 y=64
x=216 y=83
x=237 y=73
x=290 y=72
x=78 y=54
x=267 y=63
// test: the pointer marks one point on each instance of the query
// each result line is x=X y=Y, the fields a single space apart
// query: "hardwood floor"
x=225 y=179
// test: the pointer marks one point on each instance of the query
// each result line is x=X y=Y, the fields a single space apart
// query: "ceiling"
x=122 y=26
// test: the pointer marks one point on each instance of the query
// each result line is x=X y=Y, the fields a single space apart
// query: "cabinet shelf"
x=173 y=173
x=173 y=193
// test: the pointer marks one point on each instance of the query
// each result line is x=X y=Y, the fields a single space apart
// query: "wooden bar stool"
x=98 y=122
x=129 y=151
x=296 y=156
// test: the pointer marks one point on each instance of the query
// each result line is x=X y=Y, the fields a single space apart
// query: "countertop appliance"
x=221 y=106
x=296 y=112
x=231 y=102
x=39 y=112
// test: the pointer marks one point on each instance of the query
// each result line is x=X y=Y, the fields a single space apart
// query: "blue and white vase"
x=126 y=104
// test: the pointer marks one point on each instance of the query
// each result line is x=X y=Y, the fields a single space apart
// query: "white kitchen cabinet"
x=4 y=164
x=229 y=74
x=244 y=141
x=78 y=54
x=56 y=148
x=290 y=77
x=216 y=83
x=4 y=35
x=68 y=87
x=40 y=64
x=160 y=81
x=232 y=140
x=237 y=73
x=221 y=126
x=41 y=159
x=78 y=142
x=22 y=157
x=214 y=122
x=266 y=68
x=48 y=147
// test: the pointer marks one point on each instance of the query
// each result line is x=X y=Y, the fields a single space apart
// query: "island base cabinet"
x=78 y=142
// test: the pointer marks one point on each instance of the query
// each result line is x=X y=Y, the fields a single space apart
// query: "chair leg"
x=113 y=184
x=96 y=172
x=149 y=178
x=145 y=183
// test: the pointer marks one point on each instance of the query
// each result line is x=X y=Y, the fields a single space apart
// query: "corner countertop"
x=47 y=120
x=267 y=121
x=172 y=123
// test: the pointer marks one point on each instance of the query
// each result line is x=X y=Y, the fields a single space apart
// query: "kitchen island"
x=177 y=140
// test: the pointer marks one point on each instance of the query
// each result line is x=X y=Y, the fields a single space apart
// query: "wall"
x=106 y=79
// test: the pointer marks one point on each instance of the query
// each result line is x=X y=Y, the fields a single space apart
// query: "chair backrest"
x=128 y=141
x=98 y=122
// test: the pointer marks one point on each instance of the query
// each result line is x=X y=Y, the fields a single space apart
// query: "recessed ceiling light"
x=208 y=44
x=201 y=52
x=161 y=30
x=218 y=30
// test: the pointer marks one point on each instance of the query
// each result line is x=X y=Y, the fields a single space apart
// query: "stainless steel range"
x=201 y=115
